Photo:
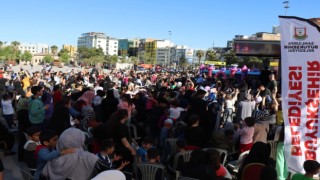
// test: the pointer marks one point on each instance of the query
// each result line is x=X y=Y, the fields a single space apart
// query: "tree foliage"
x=26 y=56
x=54 y=49
x=199 y=54
x=10 y=53
x=64 y=55
x=88 y=53
x=230 y=58
x=134 y=60
x=210 y=55
x=48 y=58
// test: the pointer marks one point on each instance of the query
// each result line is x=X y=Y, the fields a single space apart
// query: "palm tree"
x=210 y=55
x=54 y=49
x=199 y=54
x=15 y=44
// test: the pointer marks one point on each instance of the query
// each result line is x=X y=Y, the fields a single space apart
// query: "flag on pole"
x=300 y=60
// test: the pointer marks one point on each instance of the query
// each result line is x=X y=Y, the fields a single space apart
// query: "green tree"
x=15 y=44
x=64 y=57
x=26 y=56
x=1 y=44
x=134 y=60
x=48 y=58
x=251 y=62
x=84 y=52
x=199 y=54
x=54 y=49
x=230 y=58
x=210 y=55
x=183 y=62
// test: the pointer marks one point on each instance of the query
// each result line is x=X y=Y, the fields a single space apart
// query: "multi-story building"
x=93 y=40
x=112 y=46
x=152 y=46
x=34 y=48
x=129 y=47
x=72 y=50
x=163 y=56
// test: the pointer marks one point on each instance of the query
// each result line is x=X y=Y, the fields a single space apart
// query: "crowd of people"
x=83 y=125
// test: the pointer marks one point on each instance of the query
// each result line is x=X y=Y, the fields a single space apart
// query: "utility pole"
x=286 y=6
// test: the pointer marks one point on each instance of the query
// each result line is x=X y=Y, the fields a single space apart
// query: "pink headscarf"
x=87 y=97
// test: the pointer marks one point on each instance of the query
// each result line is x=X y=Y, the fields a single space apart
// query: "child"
x=311 y=167
x=7 y=109
x=30 y=146
x=153 y=155
x=147 y=144
x=246 y=134
x=175 y=110
x=46 y=151
x=166 y=132
x=107 y=149
x=214 y=161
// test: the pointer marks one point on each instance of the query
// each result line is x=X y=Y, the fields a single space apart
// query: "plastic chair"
x=273 y=149
x=235 y=165
x=171 y=145
x=149 y=171
x=134 y=132
x=185 y=156
x=26 y=175
x=252 y=171
x=223 y=154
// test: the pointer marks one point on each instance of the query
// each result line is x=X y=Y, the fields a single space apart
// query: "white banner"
x=300 y=58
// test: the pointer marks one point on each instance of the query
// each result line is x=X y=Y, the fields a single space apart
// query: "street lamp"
x=286 y=6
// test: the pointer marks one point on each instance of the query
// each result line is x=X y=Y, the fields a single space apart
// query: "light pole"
x=286 y=6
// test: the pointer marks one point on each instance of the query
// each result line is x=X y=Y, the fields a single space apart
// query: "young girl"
x=246 y=134
x=7 y=109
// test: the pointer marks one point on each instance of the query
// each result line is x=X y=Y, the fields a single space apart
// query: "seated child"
x=153 y=155
x=214 y=161
x=106 y=150
x=30 y=146
x=311 y=167
x=46 y=151
x=147 y=143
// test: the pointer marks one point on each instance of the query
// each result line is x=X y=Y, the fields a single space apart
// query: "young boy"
x=46 y=151
x=311 y=167
x=107 y=149
x=153 y=155
x=147 y=143
x=30 y=146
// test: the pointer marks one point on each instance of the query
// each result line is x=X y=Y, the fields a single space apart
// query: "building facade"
x=112 y=46
x=93 y=40
x=72 y=50
x=34 y=48
x=163 y=56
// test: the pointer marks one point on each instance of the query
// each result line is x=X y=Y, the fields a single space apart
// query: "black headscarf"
x=259 y=153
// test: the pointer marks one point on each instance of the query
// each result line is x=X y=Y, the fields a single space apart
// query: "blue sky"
x=195 y=23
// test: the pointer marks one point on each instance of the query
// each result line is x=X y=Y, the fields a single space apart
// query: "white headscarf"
x=110 y=174
x=78 y=165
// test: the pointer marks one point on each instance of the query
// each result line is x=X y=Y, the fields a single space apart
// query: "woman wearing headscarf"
x=61 y=118
x=81 y=165
x=119 y=132
x=259 y=153
x=109 y=105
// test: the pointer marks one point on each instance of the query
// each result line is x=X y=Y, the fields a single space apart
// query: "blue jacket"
x=44 y=155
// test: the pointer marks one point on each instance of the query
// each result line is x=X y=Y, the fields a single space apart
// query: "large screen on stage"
x=257 y=48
